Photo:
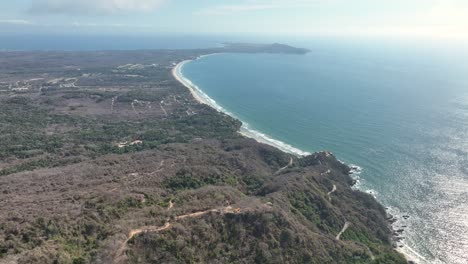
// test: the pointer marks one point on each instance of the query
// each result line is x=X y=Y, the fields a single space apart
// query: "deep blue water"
x=399 y=111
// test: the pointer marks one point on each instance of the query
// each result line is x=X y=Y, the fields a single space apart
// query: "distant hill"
x=263 y=48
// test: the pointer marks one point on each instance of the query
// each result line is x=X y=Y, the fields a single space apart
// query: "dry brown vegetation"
x=70 y=194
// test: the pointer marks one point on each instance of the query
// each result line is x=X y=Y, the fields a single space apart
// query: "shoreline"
x=203 y=98
x=245 y=130
x=176 y=72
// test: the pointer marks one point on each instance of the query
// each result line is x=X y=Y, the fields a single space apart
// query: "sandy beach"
x=245 y=130
x=176 y=72
x=260 y=137
x=196 y=93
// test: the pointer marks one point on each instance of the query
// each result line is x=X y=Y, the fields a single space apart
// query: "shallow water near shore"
x=400 y=113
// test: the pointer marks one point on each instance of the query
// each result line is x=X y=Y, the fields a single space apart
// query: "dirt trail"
x=164 y=110
x=146 y=229
x=196 y=214
x=332 y=191
x=113 y=103
x=285 y=167
x=120 y=254
x=133 y=107
x=160 y=168
x=346 y=225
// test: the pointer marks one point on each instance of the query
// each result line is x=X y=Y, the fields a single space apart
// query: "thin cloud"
x=93 y=7
x=15 y=22
x=108 y=25
x=258 y=5
x=219 y=10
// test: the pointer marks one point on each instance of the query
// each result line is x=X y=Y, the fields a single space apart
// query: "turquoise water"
x=399 y=112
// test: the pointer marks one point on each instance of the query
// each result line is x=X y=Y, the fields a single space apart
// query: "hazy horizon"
x=125 y=141
x=444 y=19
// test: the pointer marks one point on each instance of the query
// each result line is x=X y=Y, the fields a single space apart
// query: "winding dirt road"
x=285 y=167
x=346 y=225
x=120 y=254
x=332 y=191
x=163 y=109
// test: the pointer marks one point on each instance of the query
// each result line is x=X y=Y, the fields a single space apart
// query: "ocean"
x=398 y=111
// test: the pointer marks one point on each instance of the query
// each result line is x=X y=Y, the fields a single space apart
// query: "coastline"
x=245 y=130
x=203 y=98
x=176 y=72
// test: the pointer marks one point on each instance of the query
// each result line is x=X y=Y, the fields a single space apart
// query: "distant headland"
x=263 y=48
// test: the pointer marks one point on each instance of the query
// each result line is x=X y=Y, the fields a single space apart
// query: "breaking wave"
x=245 y=130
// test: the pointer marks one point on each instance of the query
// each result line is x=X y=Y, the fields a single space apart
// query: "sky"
x=407 y=18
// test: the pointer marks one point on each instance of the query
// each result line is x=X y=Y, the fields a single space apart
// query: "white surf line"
x=346 y=225
x=176 y=72
x=203 y=98
x=411 y=254
x=245 y=130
